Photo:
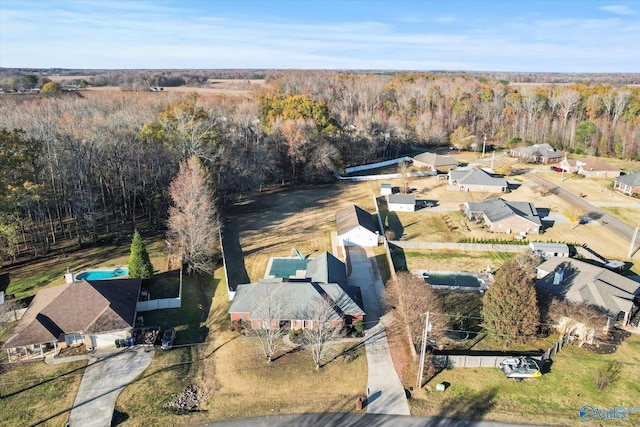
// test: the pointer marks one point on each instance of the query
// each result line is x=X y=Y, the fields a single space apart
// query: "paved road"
x=386 y=393
x=606 y=220
x=101 y=384
x=354 y=420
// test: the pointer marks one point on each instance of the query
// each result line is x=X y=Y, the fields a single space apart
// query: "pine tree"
x=510 y=306
x=139 y=263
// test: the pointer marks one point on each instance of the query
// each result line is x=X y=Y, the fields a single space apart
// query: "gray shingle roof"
x=632 y=179
x=349 y=218
x=326 y=268
x=292 y=299
x=539 y=150
x=476 y=176
x=402 y=199
x=91 y=307
x=497 y=209
x=589 y=284
x=436 y=160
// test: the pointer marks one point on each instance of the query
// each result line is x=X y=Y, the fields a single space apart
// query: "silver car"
x=168 y=338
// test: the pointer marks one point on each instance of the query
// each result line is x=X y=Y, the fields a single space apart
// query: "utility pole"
x=423 y=351
x=484 y=145
x=633 y=241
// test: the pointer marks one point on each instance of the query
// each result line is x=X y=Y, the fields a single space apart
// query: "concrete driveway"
x=386 y=395
x=102 y=382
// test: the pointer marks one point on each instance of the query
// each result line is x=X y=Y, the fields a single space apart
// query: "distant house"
x=385 y=189
x=594 y=167
x=286 y=302
x=435 y=162
x=584 y=283
x=628 y=184
x=549 y=250
x=401 y=202
x=476 y=179
x=537 y=153
x=93 y=313
x=568 y=165
x=503 y=216
x=356 y=227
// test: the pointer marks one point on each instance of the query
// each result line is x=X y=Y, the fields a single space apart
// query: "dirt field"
x=216 y=87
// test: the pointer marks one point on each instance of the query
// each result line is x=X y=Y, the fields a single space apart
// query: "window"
x=73 y=338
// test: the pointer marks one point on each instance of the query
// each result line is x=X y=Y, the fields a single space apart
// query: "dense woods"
x=79 y=166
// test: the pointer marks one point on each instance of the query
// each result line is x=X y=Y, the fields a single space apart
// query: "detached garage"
x=401 y=203
x=356 y=227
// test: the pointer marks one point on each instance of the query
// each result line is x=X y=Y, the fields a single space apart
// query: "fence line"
x=484 y=247
x=383 y=176
x=377 y=165
x=158 y=304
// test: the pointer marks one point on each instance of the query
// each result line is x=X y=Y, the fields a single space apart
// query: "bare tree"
x=320 y=337
x=193 y=218
x=271 y=310
x=410 y=297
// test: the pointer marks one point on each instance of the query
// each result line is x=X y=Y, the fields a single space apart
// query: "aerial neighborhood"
x=272 y=245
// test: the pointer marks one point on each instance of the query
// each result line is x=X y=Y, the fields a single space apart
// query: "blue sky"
x=551 y=36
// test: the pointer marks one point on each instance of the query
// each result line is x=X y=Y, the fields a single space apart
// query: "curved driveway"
x=101 y=384
x=386 y=395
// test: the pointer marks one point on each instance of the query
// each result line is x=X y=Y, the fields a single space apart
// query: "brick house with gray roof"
x=628 y=184
x=476 y=179
x=285 y=302
x=502 y=216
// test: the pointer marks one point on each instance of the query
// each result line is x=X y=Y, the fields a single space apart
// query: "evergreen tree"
x=510 y=306
x=139 y=263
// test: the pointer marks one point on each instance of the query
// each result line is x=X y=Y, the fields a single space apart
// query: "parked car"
x=556 y=169
x=168 y=338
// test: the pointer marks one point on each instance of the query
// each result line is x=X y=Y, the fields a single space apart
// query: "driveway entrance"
x=101 y=384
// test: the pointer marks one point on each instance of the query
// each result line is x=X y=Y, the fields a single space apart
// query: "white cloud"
x=618 y=9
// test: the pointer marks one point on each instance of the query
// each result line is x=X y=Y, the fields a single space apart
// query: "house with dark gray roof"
x=537 y=153
x=356 y=227
x=502 y=216
x=436 y=162
x=476 y=179
x=628 y=184
x=584 y=283
x=286 y=302
x=93 y=313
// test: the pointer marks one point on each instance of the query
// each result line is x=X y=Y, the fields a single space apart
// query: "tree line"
x=80 y=165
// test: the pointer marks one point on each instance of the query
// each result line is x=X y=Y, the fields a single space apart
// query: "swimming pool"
x=103 y=274
x=452 y=279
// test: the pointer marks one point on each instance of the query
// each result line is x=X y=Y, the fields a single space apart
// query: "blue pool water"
x=103 y=274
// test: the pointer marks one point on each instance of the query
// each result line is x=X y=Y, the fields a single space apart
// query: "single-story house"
x=288 y=302
x=628 y=184
x=581 y=282
x=94 y=313
x=436 y=162
x=537 y=153
x=401 y=202
x=385 y=189
x=548 y=250
x=594 y=167
x=356 y=227
x=476 y=179
x=502 y=216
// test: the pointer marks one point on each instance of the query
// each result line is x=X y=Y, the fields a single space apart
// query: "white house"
x=356 y=227
x=401 y=202
x=548 y=250
x=385 y=189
